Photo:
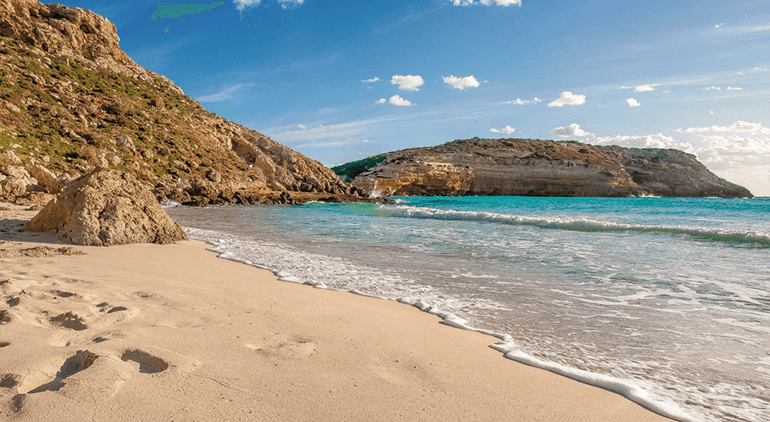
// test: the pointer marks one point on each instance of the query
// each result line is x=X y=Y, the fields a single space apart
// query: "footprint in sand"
x=285 y=347
x=60 y=293
x=5 y=316
x=17 y=402
x=45 y=380
x=114 y=314
x=148 y=364
x=9 y=380
x=69 y=320
x=13 y=301
x=4 y=344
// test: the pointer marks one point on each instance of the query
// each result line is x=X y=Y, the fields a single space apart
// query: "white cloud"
x=303 y=127
x=718 y=25
x=645 y=88
x=370 y=81
x=407 y=82
x=568 y=98
x=737 y=127
x=519 y=101
x=641 y=88
x=508 y=129
x=381 y=101
x=286 y=4
x=734 y=88
x=486 y=2
x=632 y=102
x=713 y=88
x=398 y=101
x=572 y=130
x=461 y=83
x=657 y=140
x=242 y=4
x=225 y=94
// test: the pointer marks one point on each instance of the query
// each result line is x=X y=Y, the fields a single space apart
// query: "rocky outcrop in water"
x=106 y=208
x=530 y=167
x=72 y=101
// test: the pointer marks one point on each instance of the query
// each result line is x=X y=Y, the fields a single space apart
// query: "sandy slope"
x=172 y=333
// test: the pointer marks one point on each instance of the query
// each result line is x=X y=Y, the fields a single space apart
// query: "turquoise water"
x=666 y=301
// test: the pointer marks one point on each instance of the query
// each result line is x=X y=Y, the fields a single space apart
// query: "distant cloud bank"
x=632 y=102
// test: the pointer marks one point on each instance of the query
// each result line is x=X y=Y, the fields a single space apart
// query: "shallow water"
x=666 y=301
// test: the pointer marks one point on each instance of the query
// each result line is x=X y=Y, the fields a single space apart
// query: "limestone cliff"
x=72 y=101
x=536 y=168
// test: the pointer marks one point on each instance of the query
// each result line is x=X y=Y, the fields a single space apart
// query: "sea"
x=665 y=301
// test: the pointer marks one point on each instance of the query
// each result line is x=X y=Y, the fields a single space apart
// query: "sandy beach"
x=173 y=333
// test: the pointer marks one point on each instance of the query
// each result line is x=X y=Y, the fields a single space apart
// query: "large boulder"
x=106 y=208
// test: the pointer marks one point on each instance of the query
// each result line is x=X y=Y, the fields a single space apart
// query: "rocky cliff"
x=530 y=167
x=72 y=101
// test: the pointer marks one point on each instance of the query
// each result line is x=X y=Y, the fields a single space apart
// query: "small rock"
x=180 y=165
x=10 y=158
x=214 y=176
x=125 y=141
x=112 y=158
x=43 y=176
x=16 y=171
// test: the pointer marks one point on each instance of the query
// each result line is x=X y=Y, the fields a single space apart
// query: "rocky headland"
x=71 y=101
x=531 y=167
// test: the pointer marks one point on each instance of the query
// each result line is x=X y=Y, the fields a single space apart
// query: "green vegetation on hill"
x=349 y=171
x=58 y=110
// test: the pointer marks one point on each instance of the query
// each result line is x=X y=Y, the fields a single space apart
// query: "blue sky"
x=342 y=80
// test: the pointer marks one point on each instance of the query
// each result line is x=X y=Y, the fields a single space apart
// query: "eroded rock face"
x=527 y=167
x=104 y=110
x=106 y=208
x=673 y=173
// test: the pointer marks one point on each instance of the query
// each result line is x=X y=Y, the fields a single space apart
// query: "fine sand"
x=173 y=333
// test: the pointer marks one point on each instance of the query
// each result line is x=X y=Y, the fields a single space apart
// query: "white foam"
x=575 y=223
x=622 y=387
x=167 y=203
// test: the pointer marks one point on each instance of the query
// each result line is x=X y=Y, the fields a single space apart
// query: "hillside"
x=530 y=167
x=71 y=101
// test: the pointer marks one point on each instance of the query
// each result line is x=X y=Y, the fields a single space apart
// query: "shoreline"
x=182 y=334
